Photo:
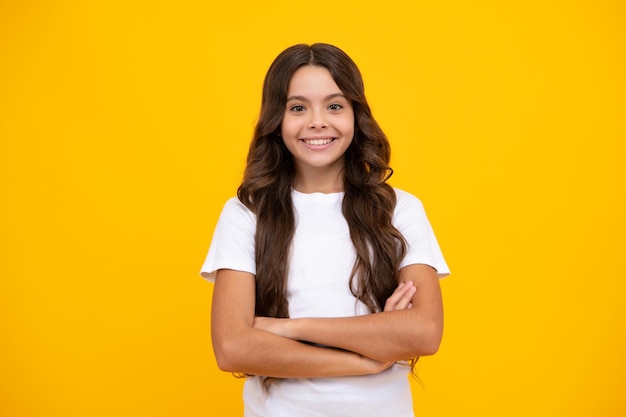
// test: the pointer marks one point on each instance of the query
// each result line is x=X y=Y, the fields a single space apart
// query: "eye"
x=297 y=108
x=335 y=107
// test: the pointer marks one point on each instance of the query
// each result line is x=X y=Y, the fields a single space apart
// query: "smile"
x=318 y=141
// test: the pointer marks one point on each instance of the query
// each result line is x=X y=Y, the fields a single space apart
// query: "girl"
x=326 y=278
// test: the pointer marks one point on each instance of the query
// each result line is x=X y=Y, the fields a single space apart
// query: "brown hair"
x=368 y=202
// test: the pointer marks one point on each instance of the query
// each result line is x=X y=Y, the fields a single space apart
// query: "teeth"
x=317 y=142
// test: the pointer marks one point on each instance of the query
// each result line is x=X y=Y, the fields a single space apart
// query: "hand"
x=401 y=297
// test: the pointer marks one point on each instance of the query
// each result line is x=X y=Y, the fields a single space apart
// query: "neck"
x=319 y=181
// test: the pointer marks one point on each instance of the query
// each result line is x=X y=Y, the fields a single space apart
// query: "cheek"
x=349 y=127
x=288 y=128
x=350 y=123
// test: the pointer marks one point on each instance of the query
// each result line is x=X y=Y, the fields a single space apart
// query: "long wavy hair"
x=368 y=201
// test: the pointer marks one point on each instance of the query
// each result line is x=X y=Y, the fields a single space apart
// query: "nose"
x=317 y=121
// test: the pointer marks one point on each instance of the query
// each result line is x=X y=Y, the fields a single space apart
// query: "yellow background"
x=124 y=127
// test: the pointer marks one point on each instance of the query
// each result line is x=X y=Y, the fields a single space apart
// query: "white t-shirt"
x=322 y=258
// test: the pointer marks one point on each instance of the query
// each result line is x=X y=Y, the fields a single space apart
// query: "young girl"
x=326 y=278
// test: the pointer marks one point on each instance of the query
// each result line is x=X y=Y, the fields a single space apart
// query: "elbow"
x=224 y=364
x=430 y=348
x=429 y=341
x=227 y=357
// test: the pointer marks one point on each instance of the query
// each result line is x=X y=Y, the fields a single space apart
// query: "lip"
x=324 y=142
x=317 y=137
x=318 y=143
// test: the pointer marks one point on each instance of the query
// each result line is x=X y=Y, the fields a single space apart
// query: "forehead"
x=312 y=80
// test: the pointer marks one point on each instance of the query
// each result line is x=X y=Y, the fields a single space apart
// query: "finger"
x=401 y=297
x=406 y=299
x=395 y=297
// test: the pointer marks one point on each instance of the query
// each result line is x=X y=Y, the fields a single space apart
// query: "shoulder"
x=406 y=200
x=236 y=216
x=409 y=211
x=234 y=207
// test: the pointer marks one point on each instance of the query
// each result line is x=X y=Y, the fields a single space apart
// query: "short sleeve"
x=232 y=246
x=422 y=246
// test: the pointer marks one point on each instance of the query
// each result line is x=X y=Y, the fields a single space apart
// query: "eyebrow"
x=328 y=97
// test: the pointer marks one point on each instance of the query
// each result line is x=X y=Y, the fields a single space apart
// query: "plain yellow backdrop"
x=124 y=127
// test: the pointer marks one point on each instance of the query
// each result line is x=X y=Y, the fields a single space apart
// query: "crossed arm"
x=410 y=325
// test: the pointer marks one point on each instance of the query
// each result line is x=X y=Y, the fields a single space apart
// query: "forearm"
x=239 y=347
x=393 y=335
x=411 y=324
x=256 y=352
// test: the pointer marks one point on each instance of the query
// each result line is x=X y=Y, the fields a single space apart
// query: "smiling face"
x=317 y=128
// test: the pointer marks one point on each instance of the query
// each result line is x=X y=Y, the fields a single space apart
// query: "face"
x=318 y=125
